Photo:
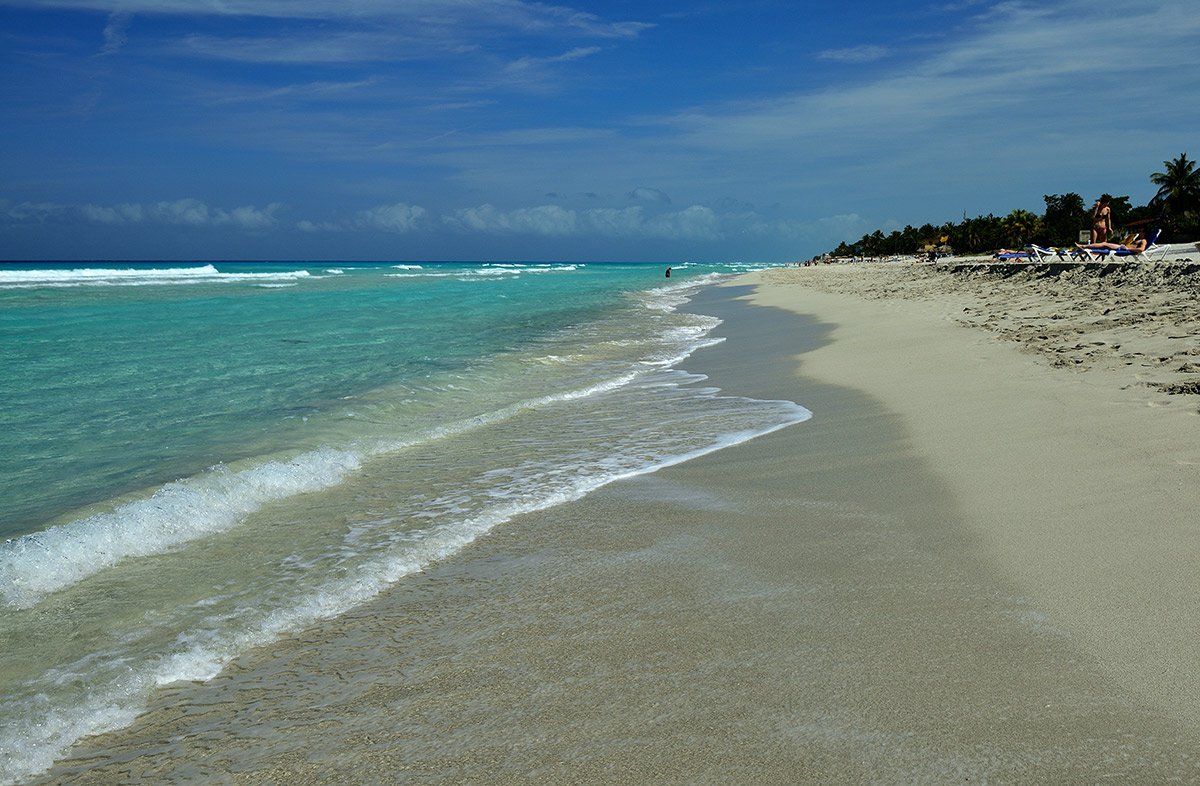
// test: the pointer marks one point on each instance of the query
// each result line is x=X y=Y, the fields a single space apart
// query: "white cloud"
x=319 y=226
x=116 y=214
x=400 y=217
x=649 y=195
x=855 y=54
x=616 y=222
x=594 y=25
x=189 y=212
x=115 y=32
x=375 y=29
x=330 y=47
x=694 y=223
x=528 y=63
x=300 y=92
x=183 y=212
x=826 y=231
x=1028 y=69
x=250 y=217
x=517 y=14
x=697 y=223
x=38 y=212
x=544 y=220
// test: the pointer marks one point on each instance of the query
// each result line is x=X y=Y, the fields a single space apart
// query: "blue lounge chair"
x=1152 y=248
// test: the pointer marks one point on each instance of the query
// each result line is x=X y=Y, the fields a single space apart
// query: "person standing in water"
x=668 y=272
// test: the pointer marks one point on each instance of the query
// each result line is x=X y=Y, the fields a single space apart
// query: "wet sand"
x=969 y=565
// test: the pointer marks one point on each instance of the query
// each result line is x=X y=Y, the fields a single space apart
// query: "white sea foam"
x=552 y=269
x=671 y=296
x=669 y=358
x=45 y=730
x=539 y=268
x=40 y=732
x=488 y=274
x=484 y=273
x=48 y=726
x=502 y=414
x=466 y=274
x=36 y=564
x=206 y=654
x=206 y=274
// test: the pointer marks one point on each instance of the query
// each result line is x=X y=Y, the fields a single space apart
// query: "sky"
x=587 y=130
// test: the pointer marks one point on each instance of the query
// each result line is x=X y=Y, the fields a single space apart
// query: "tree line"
x=1175 y=208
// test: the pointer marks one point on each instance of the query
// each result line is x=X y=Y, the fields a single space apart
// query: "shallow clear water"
x=199 y=459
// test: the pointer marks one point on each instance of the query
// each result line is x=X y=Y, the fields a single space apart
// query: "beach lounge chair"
x=1151 y=249
x=1051 y=254
x=1012 y=256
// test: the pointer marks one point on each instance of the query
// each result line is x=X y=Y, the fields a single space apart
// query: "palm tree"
x=1178 y=188
x=1019 y=226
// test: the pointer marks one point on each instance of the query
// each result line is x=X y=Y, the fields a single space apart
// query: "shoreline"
x=859 y=597
x=1075 y=467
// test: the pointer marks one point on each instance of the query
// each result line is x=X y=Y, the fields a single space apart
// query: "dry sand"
x=1066 y=428
x=971 y=565
x=1139 y=318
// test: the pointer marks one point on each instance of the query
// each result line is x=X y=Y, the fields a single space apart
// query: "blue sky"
x=618 y=130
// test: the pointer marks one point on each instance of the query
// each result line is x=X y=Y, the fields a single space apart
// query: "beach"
x=974 y=563
x=1064 y=417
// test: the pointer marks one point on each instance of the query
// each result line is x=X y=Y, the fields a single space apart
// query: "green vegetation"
x=1178 y=197
x=1175 y=209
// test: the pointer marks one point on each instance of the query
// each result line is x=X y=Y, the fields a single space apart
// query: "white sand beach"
x=975 y=563
x=1045 y=403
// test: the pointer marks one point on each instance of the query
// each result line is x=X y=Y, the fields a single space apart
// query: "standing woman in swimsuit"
x=1101 y=219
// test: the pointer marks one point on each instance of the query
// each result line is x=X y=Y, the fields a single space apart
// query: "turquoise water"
x=198 y=459
x=110 y=387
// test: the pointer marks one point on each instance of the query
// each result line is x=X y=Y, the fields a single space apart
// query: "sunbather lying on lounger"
x=1137 y=245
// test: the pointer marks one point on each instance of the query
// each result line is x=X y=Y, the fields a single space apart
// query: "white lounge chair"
x=1050 y=254
x=1148 y=253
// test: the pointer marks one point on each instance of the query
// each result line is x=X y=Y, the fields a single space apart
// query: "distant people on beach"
x=1101 y=219
x=668 y=272
x=1137 y=245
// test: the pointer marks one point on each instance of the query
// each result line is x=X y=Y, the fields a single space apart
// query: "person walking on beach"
x=1101 y=219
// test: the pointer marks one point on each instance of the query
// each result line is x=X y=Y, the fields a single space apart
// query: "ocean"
x=198 y=459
